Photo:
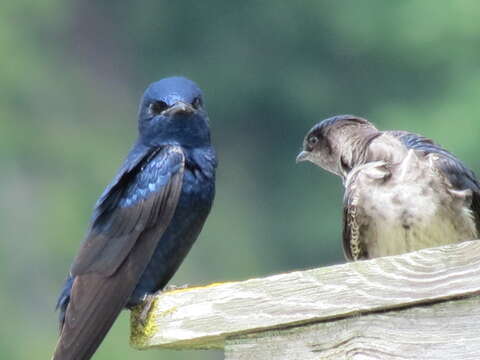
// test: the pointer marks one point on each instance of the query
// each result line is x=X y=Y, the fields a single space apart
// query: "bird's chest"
x=410 y=213
x=197 y=192
x=192 y=209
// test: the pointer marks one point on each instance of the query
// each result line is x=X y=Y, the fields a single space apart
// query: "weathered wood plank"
x=203 y=317
x=447 y=330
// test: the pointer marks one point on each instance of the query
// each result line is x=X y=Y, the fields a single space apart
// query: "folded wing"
x=453 y=168
x=129 y=220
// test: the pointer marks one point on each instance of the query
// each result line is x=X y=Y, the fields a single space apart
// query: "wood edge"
x=141 y=334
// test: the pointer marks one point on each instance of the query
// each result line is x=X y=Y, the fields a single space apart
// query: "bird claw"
x=146 y=307
x=175 y=287
x=149 y=299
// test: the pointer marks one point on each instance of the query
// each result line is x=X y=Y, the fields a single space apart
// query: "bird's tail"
x=63 y=300
x=95 y=301
x=94 y=304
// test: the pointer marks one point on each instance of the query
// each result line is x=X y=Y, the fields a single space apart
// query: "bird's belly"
x=384 y=238
x=413 y=218
x=192 y=210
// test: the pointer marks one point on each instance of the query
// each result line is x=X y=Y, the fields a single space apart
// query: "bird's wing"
x=139 y=199
x=351 y=228
x=453 y=169
x=358 y=185
x=348 y=224
x=128 y=222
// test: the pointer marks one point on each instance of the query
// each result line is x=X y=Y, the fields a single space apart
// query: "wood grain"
x=203 y=317
x=448 y=330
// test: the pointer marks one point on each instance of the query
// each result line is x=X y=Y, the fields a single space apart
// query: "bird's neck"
x=355 y=145
x=386 y=147
x=190 y=131
x=202 y=158
x=371 y=146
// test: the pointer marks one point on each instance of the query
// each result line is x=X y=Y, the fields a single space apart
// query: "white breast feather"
x=408 y=206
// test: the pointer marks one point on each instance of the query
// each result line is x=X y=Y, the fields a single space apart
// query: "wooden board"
x=203 y=317
x=449 y=330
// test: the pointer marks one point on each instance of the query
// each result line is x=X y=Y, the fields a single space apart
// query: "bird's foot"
x=148 y=301
x=174 y=287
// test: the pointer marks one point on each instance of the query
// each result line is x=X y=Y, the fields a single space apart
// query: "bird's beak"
x=179 y=108
x=302 y=156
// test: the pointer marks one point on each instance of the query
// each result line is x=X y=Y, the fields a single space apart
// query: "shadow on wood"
x=392 y=307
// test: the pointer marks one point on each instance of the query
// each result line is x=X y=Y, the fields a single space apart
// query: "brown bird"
x=403 y=192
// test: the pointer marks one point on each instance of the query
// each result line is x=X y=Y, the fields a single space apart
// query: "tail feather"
x=93 y=302
x=63 y=301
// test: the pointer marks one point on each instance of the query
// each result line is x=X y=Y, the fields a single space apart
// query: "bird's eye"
x=197 y=102
x=312 y=140
x=156 y=107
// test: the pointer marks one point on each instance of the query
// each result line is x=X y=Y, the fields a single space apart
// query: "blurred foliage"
x=72 y=73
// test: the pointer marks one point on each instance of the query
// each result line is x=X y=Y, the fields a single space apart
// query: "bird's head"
x=172 y=112
x=334 y=144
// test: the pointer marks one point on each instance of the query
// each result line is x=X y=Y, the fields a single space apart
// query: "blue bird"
x=146 y=220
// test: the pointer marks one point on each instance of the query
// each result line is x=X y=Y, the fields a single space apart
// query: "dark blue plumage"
x=146 y=220
x=192 y=209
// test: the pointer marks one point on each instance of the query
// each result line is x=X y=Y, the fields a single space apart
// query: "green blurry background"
x=71 y=74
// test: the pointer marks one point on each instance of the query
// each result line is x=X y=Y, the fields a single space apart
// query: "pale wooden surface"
x=204 y=317
x=448 y=330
